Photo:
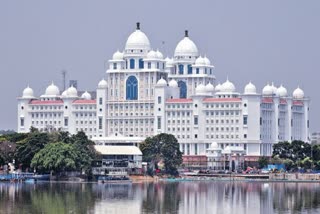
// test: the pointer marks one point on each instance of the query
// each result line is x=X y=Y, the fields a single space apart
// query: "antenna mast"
x=64 y=73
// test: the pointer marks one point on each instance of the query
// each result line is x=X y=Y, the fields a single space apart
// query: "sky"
x=248 y=40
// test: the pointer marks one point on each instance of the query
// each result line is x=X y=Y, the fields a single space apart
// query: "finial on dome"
x=186 y=33
x=138 y=25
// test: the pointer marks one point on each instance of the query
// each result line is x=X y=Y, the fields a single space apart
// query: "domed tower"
x=130 y=84
x=133 y=73
x=188 y=68
x=24 y=120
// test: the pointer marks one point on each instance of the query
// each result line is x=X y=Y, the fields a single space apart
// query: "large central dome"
x=137 y=40
x=186 y=47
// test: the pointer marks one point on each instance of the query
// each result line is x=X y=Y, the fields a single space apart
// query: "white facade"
x=144 y=94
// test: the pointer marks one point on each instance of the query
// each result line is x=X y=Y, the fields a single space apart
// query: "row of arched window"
x=132 y=88
x=132 y=64
x=180 y=69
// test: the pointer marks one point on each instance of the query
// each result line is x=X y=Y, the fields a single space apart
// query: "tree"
x=282 y=150
x=162 y=147
x=306 y=163
x=2 y=160
x=55 y=157
x=85 y=150
x=27 y=148
x=263 y=161
x=276 y=160
x=289 y=164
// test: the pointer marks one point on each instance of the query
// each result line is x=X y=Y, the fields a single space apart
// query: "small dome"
x=267 y=90
x=27 y=93
x=86 y=96
x=200 y=61
x=228 y=86
x=64 y=94
x=117 y=56
x=206 y=60
x=159 y=54
x=214 y=145
x=162 y=82
x=152 y=54
x=186 y=47
x=218 y=88
x=103 y=84
x=72 y=92
x=250 y=89
x=282 y=91
x=138 y=40
x=210 y=88
x=52 y=90
x=173 y=83
x=298 y=93
x=274 y=89
x=201 y=90
x=169 y=62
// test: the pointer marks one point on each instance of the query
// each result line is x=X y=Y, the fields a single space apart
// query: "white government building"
x=144 y=94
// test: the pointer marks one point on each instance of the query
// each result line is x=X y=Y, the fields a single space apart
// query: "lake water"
x=163 y=197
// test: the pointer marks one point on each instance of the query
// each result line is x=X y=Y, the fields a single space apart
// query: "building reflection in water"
x=161 y=197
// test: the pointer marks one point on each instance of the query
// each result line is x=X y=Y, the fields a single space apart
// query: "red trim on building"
x=84 y=102
x=179 y=101
x=45 y=102
x=267 y=100
x=283 y=102
x=297 y=103
x=222 y=100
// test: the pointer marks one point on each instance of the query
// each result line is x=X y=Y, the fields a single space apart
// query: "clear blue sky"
x=261 y=41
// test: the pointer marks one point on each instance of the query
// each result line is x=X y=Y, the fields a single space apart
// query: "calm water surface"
x=163 y=197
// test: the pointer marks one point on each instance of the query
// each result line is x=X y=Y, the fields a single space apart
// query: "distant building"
x=73 y=83
x=315 y=138
x=144 y=94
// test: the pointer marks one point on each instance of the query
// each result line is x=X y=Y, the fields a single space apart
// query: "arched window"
x=180 y=69
x=141 y=64
x=132 y=88
x=183 y=89
x=189 y=69
x=131 y=63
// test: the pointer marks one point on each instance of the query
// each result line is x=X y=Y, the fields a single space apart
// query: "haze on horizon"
x=269 y=41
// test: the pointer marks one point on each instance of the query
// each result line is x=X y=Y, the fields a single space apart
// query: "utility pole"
x=64 y=73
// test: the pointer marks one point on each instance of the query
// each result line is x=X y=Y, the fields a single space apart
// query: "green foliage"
x=55 y=157
x=79 y=158
x=3 y=139
x=282 y=150
x=297 y=153
x=84 y=149
x=16 y=137
x=306 y=163
x=7 y=151
x=162 y=147
x=263 y=161
x=2 y=159
x=276 y=160
x=27 y=148
x=289 y=164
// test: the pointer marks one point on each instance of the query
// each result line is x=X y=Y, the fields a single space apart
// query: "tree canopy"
x=76 y=150
x=297 y=154
x=30 y=146
x=163 y=147
x=55 y=157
